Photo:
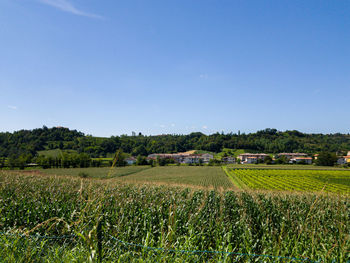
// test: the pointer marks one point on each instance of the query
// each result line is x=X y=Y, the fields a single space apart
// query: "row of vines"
x=292 y=180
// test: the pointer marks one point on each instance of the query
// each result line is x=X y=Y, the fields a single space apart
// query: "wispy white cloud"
x=205 y=127
x=173 y=125
x=66 y=6
x=12 y=107
x=203 y=76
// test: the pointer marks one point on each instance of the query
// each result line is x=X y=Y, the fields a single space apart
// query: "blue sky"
x=110 y=67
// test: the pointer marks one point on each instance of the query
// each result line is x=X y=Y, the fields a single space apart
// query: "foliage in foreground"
x=301 y=226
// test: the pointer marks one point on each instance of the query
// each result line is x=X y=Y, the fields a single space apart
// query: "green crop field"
x=285 y=167
x=202 y=176
x=94 y=172
x=49 y=218
x=335 y=181
x=55 y=152
x=188 y=176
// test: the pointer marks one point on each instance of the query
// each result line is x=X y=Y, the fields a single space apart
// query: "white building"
x=228 y=159
x=130 y=160
x=183 y=157
x=251 y=160
x=307 y=160
x=192 y=159
x=252 y=156
x=206 y=157
x=290 y=155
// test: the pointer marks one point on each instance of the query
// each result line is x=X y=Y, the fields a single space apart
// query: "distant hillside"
x=32 y=141
x=268 y=140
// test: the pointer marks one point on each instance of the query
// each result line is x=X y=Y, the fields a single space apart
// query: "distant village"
x=191 y=157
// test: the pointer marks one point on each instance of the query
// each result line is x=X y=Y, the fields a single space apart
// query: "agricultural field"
x=285 y=167
x=195 y=176
x=334 y=181
x=55 y=152
x=95 y=172
x=186 y=176
x=48 y=218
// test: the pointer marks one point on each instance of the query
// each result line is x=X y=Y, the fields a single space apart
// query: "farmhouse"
x=290 y=155
x=253 y=157
x=161 y=155
x=228 y=159
x=206 y=157
x=130 y=160
x=183 y=157
x=307 y=160
x=191 y=159
x=197 y=158
x=176 y=157
x=252 y=160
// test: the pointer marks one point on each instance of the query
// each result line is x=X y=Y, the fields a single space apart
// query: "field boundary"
x=235 y=181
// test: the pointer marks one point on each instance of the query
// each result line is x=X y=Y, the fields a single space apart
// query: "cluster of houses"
x=186 y=157
x=248 y=158
x=244 y=158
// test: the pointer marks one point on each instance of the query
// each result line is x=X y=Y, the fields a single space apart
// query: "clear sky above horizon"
x=110 y=67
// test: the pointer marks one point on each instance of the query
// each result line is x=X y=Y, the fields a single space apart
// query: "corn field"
x=46 y=218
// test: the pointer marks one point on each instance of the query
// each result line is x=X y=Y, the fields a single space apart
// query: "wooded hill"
x=268 y=141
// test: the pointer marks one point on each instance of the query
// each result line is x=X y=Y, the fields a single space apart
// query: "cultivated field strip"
x=190 y=176
x=94 y=172
x=34 y=206
x=334 y=181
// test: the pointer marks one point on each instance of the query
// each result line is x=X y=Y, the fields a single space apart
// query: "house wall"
x=298 y=160
x=341 y=161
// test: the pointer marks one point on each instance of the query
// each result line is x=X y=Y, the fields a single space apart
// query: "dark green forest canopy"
x=268 y=141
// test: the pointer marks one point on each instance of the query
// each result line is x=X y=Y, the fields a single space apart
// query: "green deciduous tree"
x=326 y=159
x=268 y=160
x=119 y=158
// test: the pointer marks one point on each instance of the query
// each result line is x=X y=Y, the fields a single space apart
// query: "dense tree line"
x=66 y=160
x=29 y=142
x=32 y=141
